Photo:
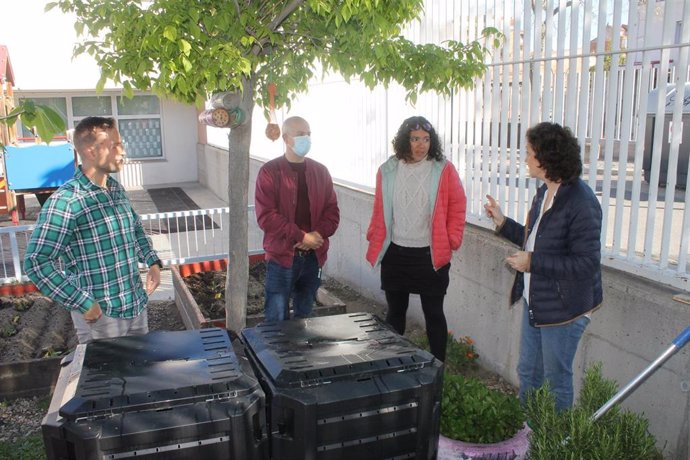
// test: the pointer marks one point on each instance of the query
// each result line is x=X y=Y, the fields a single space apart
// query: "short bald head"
x=296 y=126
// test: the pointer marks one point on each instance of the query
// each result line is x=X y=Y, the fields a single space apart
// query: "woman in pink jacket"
x=417 y=223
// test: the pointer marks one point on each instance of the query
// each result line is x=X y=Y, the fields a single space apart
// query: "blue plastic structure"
x=38 y=166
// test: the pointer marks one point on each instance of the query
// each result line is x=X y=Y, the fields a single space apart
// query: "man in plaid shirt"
x=89 y=225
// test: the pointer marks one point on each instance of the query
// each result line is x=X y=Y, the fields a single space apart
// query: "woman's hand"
x=519 y=261
x=493 y=210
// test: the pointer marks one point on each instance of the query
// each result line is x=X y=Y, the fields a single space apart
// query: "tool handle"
x=682 y=338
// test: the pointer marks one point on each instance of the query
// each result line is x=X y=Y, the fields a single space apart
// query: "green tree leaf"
x=189 y=49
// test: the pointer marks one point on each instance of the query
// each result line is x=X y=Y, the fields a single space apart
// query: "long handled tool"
x=678 y=343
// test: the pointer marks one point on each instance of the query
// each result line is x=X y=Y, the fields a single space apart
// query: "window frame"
x=73 y=120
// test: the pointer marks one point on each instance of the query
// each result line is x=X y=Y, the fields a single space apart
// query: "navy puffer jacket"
x=565 y=266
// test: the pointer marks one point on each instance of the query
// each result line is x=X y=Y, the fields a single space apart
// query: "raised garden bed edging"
x=191 y=313
x=24 y=379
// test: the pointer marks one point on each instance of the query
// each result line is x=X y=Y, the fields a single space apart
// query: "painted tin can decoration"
x=237 y=117
x=219 y=118
x=226 y=100
x=222 y=118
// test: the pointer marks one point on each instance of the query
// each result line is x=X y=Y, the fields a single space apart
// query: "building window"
x=140 y=126
x=85 y=106
x=142 y=137
x=138 y=119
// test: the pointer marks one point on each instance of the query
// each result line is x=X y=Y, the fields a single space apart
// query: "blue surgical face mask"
x=302 y=145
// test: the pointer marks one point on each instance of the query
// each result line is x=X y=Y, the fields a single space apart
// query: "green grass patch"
x=28 y=448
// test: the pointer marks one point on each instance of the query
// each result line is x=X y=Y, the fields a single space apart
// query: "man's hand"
x=311 y=240
x=153 y=278
x=519 y=261
x=93 y=314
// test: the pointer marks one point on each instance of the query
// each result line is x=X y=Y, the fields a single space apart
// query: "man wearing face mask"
x=297 y=209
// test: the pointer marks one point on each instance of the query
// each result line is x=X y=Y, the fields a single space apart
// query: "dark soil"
x=208 y=289
x=33 y=326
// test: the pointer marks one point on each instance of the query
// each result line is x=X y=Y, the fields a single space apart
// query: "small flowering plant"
x=470 y=410
x=460 y=354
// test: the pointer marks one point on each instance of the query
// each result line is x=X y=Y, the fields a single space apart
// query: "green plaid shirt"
x=100 y=239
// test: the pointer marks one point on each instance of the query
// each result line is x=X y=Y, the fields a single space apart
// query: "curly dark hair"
x=401 y=141
x=557 y=151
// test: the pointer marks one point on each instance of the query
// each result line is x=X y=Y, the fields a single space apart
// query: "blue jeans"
x=547 y=354
x=299 y=282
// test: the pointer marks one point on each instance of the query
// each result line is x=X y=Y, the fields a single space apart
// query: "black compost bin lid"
x=320 y=350
x=154 y=371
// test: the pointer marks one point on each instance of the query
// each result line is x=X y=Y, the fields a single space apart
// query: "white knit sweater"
x=411 y=212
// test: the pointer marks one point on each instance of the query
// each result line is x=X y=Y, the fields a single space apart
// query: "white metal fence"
x=179 y=237
x=596 y=66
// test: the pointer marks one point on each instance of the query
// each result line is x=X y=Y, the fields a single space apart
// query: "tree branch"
x=283 y=15
x=277 y=21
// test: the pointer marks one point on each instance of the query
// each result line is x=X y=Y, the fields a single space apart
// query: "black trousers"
x=410 y=270
x=432 y=306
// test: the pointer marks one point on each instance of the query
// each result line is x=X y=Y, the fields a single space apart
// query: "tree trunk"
x=238 y=182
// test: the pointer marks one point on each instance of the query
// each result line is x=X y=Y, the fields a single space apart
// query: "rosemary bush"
x=572 y=435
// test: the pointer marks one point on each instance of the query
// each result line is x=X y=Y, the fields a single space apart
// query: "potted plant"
x=17 y=289
x=480 y=422
x=622 y=435
x=476 y=421
x=5 y=289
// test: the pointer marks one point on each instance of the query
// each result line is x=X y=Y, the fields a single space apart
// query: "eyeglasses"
x=415 y=139
x=417 y=126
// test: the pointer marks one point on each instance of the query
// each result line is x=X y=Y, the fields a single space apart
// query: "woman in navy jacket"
x=558 y=269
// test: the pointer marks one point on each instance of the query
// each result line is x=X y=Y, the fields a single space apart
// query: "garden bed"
x=35 y=334
x=200 y=296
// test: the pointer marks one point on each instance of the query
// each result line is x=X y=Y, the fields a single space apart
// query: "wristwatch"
x=159 y=263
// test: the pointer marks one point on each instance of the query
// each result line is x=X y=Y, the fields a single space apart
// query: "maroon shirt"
x=302 y=213
x=276 y=198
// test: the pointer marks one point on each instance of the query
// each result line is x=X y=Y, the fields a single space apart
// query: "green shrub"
x=572 y=435
x=28 y=448
x=472 y=412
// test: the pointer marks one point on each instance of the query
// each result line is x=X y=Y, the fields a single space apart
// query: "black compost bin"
x=164 y=395
x=346 y=387
x=650 y=134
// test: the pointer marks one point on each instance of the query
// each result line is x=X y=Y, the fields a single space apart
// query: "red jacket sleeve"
x=457 y=207
x=377 y=212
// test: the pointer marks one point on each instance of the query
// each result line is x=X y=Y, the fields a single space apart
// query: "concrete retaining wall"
x=638 y=321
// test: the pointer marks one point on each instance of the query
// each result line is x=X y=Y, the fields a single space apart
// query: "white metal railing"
x=596 y=66
x=179 y=237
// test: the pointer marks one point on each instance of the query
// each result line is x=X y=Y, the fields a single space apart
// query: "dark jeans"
x=299 y=282
x=432 y=306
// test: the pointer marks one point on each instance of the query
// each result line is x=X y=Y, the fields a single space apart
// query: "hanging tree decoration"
x=218 y=117
x=272 y=130
x=225 y=111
